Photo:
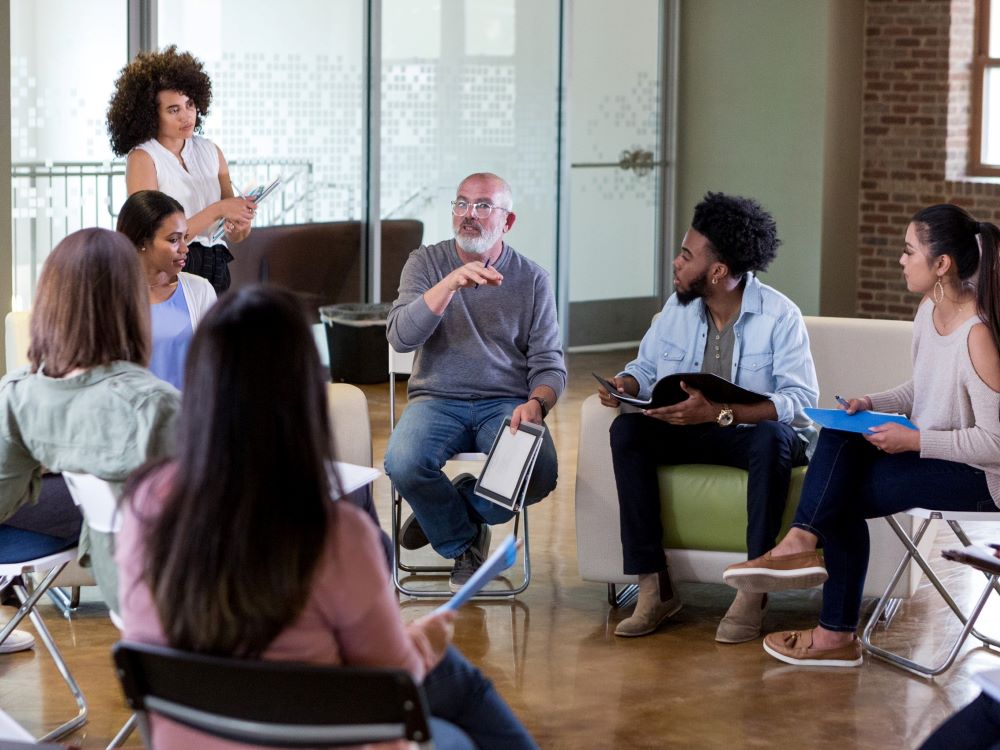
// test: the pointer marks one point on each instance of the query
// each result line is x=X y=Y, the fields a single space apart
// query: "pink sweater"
x=957 y=413
x=351 y=616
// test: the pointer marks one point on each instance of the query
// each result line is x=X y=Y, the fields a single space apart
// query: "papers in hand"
x=667 y=390
x=351 y=477
x=501 y=559
x=258 y=194
x=504 y=479
x=862 y=421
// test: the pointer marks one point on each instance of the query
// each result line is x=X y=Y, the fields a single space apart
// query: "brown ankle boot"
x=657 y=601
x=744 y=618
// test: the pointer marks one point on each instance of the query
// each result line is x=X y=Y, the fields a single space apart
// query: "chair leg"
x=28 y=602
x=398 y=567
x=124 y=733
x=912 y=553
x=623 y=598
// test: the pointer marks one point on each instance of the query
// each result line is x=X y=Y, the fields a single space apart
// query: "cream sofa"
x=852 y=357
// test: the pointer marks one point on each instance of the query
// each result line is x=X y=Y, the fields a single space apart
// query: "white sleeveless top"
x=195 y=188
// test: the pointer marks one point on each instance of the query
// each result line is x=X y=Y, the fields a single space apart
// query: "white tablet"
x=508 y=468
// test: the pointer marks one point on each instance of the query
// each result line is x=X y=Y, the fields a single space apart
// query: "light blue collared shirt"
x=770 y=355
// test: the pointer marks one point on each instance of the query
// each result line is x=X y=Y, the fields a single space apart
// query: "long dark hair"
x=231 y=559
x=91 y=305
x=947 y=229
x=142 y=214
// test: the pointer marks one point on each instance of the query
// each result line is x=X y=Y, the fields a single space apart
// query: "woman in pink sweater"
x=235 y=548
x=950 y=462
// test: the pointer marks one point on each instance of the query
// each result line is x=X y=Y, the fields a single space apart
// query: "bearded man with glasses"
x=482 y=320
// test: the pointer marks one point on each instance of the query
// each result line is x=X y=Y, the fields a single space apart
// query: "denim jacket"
x=770 y=355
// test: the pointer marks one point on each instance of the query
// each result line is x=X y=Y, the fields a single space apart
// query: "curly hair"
x=741 y=232
x=133 y=112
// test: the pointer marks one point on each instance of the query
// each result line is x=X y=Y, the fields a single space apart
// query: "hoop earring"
x=715 y=280
x=938 y=293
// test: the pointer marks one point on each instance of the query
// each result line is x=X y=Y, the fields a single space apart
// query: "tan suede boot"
x=657 y=601
x=743 y=620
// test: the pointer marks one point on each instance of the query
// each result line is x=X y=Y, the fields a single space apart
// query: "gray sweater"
x=491 y=342
x=957 y=413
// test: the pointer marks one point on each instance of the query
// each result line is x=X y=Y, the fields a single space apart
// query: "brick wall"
x=915 y=123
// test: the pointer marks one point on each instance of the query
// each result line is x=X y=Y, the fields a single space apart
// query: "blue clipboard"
x=502 y=558
x=862 y=421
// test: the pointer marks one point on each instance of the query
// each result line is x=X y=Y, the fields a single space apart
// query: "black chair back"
x=274 y=703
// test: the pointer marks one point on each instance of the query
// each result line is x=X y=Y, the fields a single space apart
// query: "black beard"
x=697 y=290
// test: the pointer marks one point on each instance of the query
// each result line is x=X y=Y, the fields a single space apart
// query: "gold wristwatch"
x=725 y=417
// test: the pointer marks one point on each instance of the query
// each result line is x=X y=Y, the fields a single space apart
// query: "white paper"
x=352 y=476
x=11 y=730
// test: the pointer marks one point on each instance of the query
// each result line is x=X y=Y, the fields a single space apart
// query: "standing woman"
x=951 y=462
x=178 y=300
x=159 y=103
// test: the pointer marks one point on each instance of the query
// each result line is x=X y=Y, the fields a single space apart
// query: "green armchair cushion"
x=704 y=506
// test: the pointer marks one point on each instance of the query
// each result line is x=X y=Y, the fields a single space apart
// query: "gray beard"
x=478 y=245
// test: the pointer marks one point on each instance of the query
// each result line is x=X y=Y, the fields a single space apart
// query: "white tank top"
x=196 y=187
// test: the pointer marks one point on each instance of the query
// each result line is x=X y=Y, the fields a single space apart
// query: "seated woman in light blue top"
x=156 y=225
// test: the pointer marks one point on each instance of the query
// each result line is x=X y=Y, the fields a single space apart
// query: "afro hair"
x=741 y=232
x=133 y=114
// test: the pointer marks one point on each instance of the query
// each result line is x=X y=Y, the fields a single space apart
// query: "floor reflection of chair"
x=954 y=520
x=402 y=364
x=18 y=576
x=476 y=647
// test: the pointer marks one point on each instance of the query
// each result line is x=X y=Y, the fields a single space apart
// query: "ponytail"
x=988 y=281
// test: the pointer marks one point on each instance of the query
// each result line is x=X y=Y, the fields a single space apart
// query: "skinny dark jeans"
x=640 y=444
x=849 y=481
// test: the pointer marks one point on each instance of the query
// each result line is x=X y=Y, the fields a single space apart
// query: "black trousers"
x=211 y=263
x=639 y=444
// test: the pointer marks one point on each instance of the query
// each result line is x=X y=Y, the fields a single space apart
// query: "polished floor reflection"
x=552 y=654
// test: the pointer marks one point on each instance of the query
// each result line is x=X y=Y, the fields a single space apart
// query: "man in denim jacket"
x=720 y=320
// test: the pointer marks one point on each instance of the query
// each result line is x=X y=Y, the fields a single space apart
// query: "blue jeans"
x=429 y=433
x=849 y=480
x=465 y=706
x=19 y=545
x=975 y=727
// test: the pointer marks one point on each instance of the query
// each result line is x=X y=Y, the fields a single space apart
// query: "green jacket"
x=107 y=421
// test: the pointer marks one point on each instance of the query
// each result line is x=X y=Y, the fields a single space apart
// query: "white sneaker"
x=18 y=640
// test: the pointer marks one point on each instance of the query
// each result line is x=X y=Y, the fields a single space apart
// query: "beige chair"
x=852 y=357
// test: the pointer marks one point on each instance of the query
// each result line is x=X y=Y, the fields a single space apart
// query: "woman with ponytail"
x=950 y=462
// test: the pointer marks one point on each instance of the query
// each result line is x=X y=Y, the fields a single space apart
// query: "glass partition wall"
x=377 y=127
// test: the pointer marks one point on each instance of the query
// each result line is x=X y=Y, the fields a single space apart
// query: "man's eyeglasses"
x=480 y=210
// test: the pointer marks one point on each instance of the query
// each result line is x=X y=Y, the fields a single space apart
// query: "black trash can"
x=355 y=336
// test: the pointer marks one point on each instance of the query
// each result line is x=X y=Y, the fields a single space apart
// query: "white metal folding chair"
x=99 y=503
x=402 y=364
x=954 y=521
x=18 y=575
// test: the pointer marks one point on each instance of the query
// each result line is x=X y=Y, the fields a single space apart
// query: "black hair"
x=142 y=214
x=254 y=445
x=133 y=112
x=742 y=234
x=947 y=229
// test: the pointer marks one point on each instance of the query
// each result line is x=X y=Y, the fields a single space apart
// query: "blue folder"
x=862 y=421
x=501 y=559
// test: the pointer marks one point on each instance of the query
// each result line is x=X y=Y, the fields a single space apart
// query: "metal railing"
x=53 y=199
